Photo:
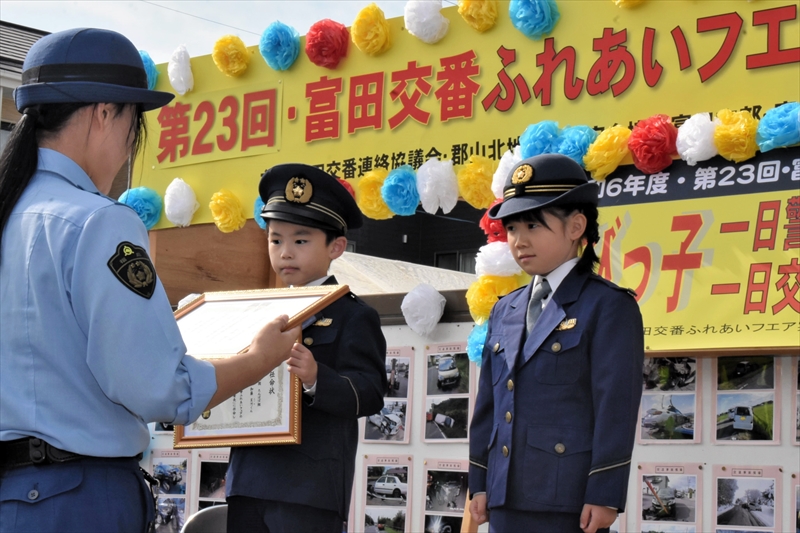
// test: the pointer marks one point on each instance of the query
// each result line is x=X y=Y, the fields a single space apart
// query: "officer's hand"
x=302 y=364
x=273 y=343
x=596 y=517
x=477 y=508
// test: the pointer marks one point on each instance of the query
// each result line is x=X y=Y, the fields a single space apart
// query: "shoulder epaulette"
x=615 y=286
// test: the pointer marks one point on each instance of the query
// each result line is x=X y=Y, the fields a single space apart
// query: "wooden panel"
x=201 y=258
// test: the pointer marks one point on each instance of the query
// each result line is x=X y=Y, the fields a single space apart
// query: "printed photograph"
x=397 y=369
x=212 y=480
x=446 y=418
x=384 y=520
x=668 y=416
x=746 y=502
x=667 y=528
x=387 y=486
x=202 y=504
x=446 y=491
x=669 y=373
x=670 y=498
x=170 y=515
x=745 y=415
x=741 y=372
x=797 y=506
x=616 y=526
x=389 y=424
x=171 y=474
x=162 y=427
x=442 y=524
x=448 y=373
x=742 y=531
x=797 y=418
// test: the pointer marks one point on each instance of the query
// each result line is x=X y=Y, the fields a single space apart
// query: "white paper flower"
x=696 y=139
x=495 y=259
x=423 y=308
x=179 y=71
x=424 y=20
x=437 y=185
x=507 y=162
x=180 y=203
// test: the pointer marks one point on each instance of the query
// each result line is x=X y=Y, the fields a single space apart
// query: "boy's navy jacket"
x=351 y=380
x=555 y=418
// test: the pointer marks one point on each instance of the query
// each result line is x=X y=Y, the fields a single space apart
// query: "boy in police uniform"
x=340 y=362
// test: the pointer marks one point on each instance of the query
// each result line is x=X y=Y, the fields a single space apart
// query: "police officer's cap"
x=306 y=195
x=544 y=181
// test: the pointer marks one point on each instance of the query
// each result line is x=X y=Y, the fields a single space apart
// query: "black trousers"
x=253 y=515
x=502 y=520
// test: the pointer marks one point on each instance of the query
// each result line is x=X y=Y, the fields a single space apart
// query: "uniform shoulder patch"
x=132 y=266
x=615 y=286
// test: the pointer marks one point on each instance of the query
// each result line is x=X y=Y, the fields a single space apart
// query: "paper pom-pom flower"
x=484 y=293
x=695 y=140
x=229 y=216
x=257 y=207
x=652 y=143
x=539 y=138
x=399 y=191
x=279 y=45
x=607 y=152
x=480 y=14
x=146 y=202
x=326 y=43
x=494 y=229
x=735 y=135
x=507 y=164
x=574 y=142
x=423 y=19
x=179 y=70
x=534 y=18
x=475 y=182
x=476 y=341
x=437 y=185
x=496 y=259
x=180 y=203
x=368 y=195
x=150 y=69
x=230 y=55
x=779 y=127
x=347 y=186
x=422 y=308
x=628 y=3
x=370 y=31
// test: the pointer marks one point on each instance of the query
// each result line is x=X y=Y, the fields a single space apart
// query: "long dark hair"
x=20 y=156
x=588 y=261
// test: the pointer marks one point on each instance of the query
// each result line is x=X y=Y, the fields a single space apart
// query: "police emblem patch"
x=298 y=190
x=131 y=265
x=523 y=174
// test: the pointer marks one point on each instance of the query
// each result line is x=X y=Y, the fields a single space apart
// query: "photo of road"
x=384 y=521
x=745 y=415
x=387 y=486
x=448 y=374
x=670 y=498
x=397 y=375
x=740 y=373
x=446 y=418
x=746 y=502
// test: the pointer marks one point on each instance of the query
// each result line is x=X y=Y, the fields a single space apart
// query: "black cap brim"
x=582 y=194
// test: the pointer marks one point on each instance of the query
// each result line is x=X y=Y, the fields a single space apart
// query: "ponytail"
x=18 y=163
x=588 y=261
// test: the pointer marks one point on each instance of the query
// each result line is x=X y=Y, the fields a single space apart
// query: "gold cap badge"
x=298 y=190
x=523 y=174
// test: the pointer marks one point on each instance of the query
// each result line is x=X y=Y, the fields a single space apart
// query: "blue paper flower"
x=279 y=45
x=534 y=18
x=399 y=191
x=475 y=342
x=257 y=213
x=150 y=69
x=574 y=142
x=779 y=127
x=146 y=202
x=539 y=138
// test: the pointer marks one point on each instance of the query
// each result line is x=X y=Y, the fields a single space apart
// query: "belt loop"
x=36 y=451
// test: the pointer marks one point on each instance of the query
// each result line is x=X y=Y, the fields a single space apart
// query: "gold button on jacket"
x=556 y=347
x=508 y=416
x=505 y=451
x=560 y=448
x=496 y=347
x=308 y=341
x=510 y=385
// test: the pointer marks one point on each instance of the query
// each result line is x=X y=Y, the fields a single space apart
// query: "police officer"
x=89 y=349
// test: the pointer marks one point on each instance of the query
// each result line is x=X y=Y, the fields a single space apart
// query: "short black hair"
x=330 y=233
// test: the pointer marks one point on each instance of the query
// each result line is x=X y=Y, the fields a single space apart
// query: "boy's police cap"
x=544 y=181
x=305 y=195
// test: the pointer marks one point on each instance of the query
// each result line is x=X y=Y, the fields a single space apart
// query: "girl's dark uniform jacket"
x=555 y=418
x=351 y=380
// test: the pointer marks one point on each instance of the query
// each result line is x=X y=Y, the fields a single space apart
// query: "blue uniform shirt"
x=85 y=361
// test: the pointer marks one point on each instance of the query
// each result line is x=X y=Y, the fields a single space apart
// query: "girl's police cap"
x=85 y=65
x=306 y=195
x=542 y=181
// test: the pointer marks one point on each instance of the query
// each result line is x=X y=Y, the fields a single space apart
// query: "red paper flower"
x=494 y=230
x=326 y=43
x=347 y=186
x=652 y=144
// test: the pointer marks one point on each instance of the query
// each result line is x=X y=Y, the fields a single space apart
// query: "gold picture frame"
x=222 y=324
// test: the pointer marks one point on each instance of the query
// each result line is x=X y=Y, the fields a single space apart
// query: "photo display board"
x=449 y=393
x=392 y=425
x=387 y=490
x=210 y=489
x=747 y=498
x=172 y=470
x=670 y=401
x=446 y=490
x=671 y=497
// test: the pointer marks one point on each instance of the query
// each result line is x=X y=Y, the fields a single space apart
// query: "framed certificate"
x=222 y=324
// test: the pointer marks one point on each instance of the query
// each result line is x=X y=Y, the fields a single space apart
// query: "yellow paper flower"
x=230 y=55
x=480 y=14
x=484 y=293
x=628 y=3
x=227 y=211
x=475 y=182
x=368 y=195
x=370 y=32
x=607 y=151
x=735 y=136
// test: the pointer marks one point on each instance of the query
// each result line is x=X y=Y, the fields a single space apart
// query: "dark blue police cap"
x=305 y=195
x=544 y=181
